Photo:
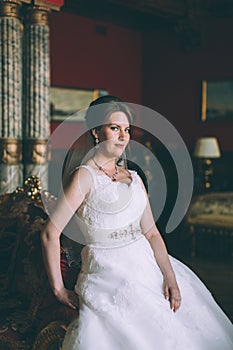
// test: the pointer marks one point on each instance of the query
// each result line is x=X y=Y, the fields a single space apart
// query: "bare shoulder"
x=83 y=173
x=81 y=178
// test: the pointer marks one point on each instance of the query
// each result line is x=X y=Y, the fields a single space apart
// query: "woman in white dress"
x=129 y=289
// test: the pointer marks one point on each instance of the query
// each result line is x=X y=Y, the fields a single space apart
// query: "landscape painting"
x=71 y=103
x=217 y=100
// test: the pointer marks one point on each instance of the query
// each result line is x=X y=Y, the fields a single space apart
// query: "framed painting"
x=217 y=100
x=70 y=103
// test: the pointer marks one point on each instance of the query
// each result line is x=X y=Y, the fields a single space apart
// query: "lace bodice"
x=111 y=212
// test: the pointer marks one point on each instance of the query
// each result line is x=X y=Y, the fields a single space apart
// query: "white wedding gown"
x=120 y=286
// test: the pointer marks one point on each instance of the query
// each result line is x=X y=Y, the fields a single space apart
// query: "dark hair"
x=97 y=113
x=101 y=108
x=105 y=99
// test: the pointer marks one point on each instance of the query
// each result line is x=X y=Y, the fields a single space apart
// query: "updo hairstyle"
x=100 y=109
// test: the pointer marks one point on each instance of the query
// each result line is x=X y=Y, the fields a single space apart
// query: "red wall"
x=82 y=58
x=151 y=69
x=172 y=78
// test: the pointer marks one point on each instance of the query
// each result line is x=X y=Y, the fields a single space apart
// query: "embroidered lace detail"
x=129 y=233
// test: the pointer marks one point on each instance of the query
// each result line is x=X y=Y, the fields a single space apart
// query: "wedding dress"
x=120 y=286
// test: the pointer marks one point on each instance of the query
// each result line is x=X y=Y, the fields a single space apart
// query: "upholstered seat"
x=31 y=317
x=210 y=220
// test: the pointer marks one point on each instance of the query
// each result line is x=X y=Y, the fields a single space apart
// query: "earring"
x=97 y=143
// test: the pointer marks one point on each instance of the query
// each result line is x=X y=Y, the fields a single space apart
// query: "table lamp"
x=206 y=149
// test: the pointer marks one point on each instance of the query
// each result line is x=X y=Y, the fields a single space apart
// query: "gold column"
x=11 y=169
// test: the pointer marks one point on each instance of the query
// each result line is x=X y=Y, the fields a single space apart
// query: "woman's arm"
x=171 y=289
x=50 y=236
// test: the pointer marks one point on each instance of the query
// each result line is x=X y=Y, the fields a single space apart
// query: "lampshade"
x=207 y=147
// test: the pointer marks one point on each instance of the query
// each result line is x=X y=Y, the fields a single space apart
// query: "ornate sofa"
x=30 y=316
x=210 y=222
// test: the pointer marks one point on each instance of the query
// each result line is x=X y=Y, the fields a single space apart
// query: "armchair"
x=210 y=222
x=31 y=317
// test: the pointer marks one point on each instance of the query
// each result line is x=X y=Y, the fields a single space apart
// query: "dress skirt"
x=122 y=305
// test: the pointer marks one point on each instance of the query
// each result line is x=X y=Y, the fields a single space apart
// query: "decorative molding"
x=36 y=157
x=10 y=8
x=54 y=5
x=36 y=151
x=10 y=151
x=37 y=15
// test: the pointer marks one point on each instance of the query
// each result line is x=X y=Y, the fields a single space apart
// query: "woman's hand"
x=172 y=293
x=67 y=297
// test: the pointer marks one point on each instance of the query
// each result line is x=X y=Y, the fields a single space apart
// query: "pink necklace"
x=112 y=176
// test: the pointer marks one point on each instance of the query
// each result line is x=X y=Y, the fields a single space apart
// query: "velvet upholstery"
x=31 y=317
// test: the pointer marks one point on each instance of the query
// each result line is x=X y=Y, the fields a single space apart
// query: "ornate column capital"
x=10 y=8
x=54 y=5
x=37 y=15
x=10 y=151
x=36 y=151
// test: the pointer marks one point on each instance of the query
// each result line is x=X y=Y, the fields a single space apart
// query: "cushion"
x=212 y=204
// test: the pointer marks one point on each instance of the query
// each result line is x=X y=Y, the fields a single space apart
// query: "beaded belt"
x=130 y=232
x=105 y=239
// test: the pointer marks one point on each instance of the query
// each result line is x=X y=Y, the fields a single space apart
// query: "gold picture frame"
x=70 y=103
x=217 y=100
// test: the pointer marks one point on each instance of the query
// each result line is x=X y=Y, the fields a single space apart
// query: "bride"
x=130 y=293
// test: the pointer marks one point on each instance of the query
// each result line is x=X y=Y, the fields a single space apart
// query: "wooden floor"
x=217 y=276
